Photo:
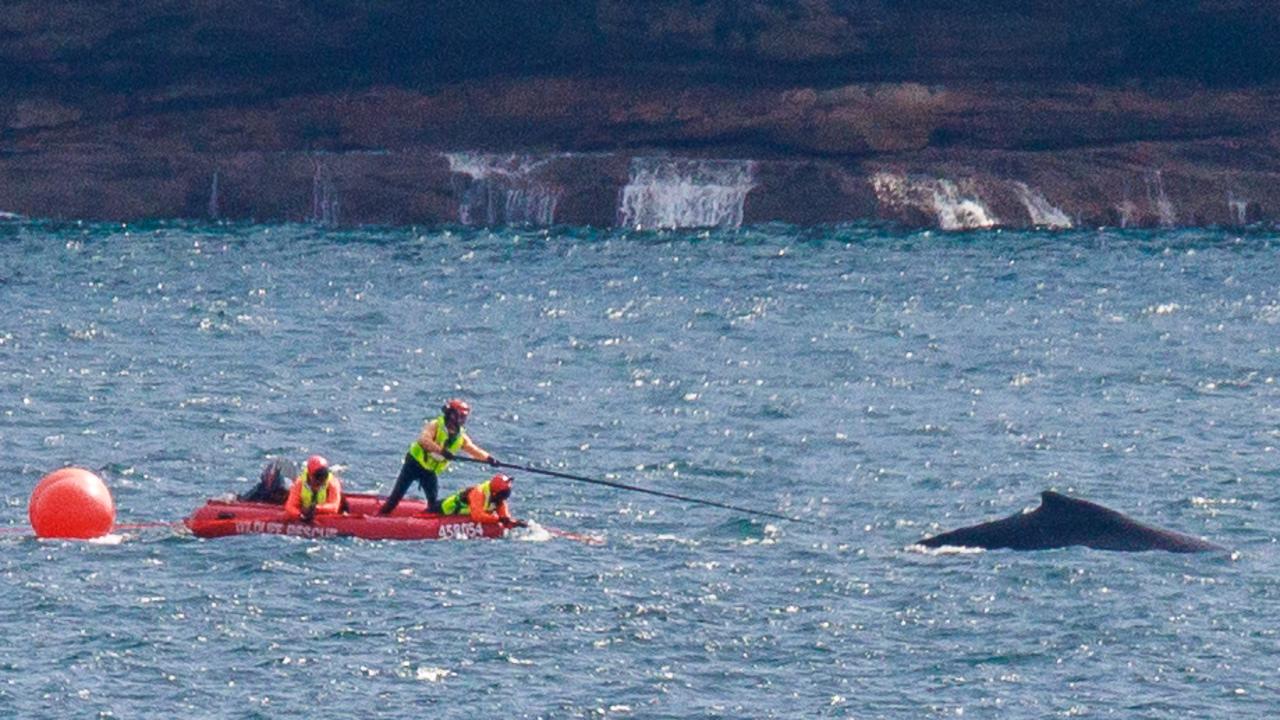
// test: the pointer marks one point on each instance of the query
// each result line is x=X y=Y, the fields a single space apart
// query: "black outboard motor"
x=273 y=483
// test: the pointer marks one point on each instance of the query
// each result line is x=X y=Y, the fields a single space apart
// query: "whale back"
x=1063 y=521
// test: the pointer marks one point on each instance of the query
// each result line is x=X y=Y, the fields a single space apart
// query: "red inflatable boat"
x=219 y=518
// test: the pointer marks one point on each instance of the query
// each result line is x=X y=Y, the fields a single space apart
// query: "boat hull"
x=410 y=521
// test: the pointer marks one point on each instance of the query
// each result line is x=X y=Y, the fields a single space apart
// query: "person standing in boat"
x=439 y=442
x=317 y=491
x=485 y=503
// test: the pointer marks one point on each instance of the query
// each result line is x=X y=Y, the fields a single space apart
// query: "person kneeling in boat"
x=273 y=483
x=485 y=503
x=317 y=491
x=439 y=442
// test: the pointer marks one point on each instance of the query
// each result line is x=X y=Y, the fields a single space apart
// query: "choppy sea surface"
x=881 y=385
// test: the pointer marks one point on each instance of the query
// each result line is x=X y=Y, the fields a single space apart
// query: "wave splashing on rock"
x=943 y=200
x=504 y=190
x=1040 y=210
x=668 y=193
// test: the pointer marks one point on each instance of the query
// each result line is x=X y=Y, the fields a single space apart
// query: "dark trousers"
x=409 y=472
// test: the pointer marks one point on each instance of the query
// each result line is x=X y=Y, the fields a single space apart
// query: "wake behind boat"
x=410 y=521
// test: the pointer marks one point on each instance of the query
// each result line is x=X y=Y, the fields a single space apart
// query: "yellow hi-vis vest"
x=435 y=463
x=311 y=499
x=456 y=504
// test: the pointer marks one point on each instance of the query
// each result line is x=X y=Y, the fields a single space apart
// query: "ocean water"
x=878 y=384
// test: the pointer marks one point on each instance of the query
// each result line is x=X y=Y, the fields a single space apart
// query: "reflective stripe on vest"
x=311 y=499
x=434 y=463
x=456 y=504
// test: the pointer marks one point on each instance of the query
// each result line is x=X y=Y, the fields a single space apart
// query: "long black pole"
x=633 y=488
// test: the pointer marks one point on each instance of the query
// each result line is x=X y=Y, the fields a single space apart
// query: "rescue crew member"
x=439 y=442
x=273 y=483
x=317 y=491
x=485 y=503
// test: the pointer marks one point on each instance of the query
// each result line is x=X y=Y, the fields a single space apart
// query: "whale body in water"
x=1063 y=521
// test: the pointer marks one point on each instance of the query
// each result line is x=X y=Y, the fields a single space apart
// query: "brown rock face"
x=658 y=113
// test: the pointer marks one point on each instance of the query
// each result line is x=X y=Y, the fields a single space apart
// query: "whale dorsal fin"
x=1051 y=499
x=1063 y=507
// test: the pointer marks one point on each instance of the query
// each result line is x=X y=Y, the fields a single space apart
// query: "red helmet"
x=317 y=467
x=500 y=485
x=456 y=410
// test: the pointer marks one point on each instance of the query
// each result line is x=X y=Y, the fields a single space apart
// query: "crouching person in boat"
x=273 y=483
x=485 y=503
x=317 y=491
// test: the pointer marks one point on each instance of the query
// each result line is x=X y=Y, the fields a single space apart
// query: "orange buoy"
x=71 y=503
x=50 y=479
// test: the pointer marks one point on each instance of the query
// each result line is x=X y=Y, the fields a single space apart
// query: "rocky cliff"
x=657 y=113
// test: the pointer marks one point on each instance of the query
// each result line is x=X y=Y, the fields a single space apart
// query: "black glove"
x=447 y=455
x=515 y=523
x=492 y=460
